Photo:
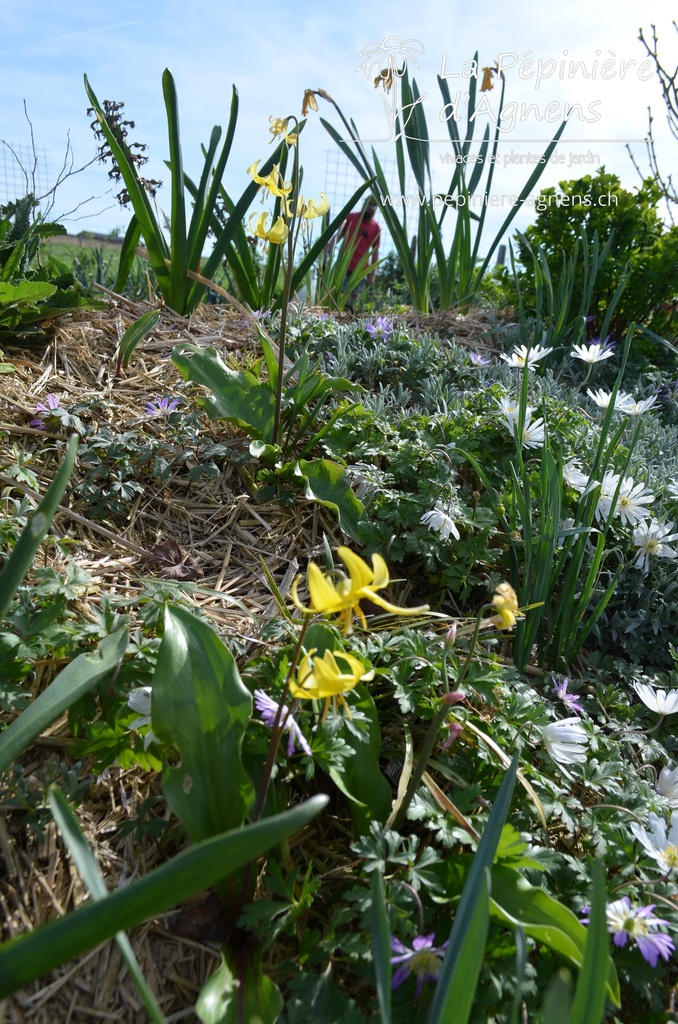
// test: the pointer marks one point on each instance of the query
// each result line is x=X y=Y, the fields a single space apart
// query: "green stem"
x=287 y=287
x=433 y=730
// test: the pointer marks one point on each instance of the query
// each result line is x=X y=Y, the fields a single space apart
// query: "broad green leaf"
x=594 y=978
x=200 y=706
x=34 y=532
x=194 y=870
x=88 y=869
x=326 y=482
x=360 y=777
x=466 y=944
x=542 y=917
x=77 y=679
x=236 y=396
x=25 y=291
x=511 y=850
x=239 y=991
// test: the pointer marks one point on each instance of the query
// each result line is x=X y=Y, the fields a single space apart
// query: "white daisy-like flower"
x=140 y=700
x=594 y=353
x=566 y=741
x=511 y=410
x=534 y=433
x=663 y=702
x=667 y=785
x=521 y=355
x=608 y=487
x=672 y=488
x=573 y=476
x=653 y=539
x=656 y=843
x=603 y=398
x=631 y=502
x=633 y=408
x=440 y=521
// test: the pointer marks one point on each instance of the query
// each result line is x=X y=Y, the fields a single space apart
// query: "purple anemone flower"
x=624 y=922
x=52 y=403
x=268 y=708
x=423 y=960
x=161 y=406
x=382 y=328
x=477 y=359
x=570 y=700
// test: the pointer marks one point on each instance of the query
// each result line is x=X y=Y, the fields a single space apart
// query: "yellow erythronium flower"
x=278 y=232
x=273 y=181
x=344 y=596
x=505 y=602
x=279 y=127
x=329 y=677
x=301 y=208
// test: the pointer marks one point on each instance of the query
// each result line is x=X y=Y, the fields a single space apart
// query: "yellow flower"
x=328 y=678
x=309 y=102
x=344 y=596
x=278 y=232
x=505 y=602
x=273 y=181
x=308 y=210
x=279 y=127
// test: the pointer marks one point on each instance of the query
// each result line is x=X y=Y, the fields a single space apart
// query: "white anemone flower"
x=522 y=355
x=664 y=702
x=608 y=487
x=573 y=476
x=594 y=353
x=534 y=433
x=566 y=741
x=603 y=398
x=672 y=488
x=140 y=700
x=511 y=410
x=656 y=843
x=633 y=408
x=667 y=785
x=440 y=521
x=631 y=502
x=653 y=539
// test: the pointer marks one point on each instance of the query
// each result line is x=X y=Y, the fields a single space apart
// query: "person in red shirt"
x=362 y=230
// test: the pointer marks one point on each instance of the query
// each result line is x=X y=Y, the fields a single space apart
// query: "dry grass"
x=221 y=525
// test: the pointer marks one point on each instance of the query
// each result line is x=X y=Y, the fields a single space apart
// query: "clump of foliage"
x=599 y=203
x=34 y=287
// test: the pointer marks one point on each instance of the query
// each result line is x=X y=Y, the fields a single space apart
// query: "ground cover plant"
x=353 y=637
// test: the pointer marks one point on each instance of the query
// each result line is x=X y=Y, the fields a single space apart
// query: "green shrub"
x=639 y=240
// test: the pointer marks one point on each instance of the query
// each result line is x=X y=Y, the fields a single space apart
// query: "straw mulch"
x=214 y=532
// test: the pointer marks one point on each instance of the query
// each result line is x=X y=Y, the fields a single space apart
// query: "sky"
x=273 y=53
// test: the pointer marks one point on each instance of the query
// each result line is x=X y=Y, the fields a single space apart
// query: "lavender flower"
x=625 y=921
x=268 y=708
x=477 y=359
x=381 y=329
x=161 y=406
x=52 y=403
x=424 y=960
x=571 y=700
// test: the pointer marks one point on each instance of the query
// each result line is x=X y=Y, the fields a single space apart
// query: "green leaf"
x=459 y=973
x=239 y=992
x=203 y=865
x=237 y=395
x=326 y=482
x=73 y=682
x=34 y=532
x=381 y=945
x=200 y=706
x=135 y=333
x=25 y=292
x=360 y=777
x=88 y=869
x=542 y=917
x=594 y=978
